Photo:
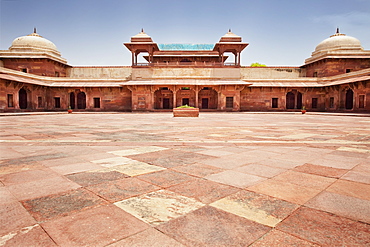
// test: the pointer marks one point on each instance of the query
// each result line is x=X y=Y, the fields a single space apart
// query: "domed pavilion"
x=34 y=48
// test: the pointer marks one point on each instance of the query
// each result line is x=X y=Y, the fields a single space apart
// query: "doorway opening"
x=294 y=100
x=208 y=98
x=72 y=100
x=166 y=103
x=163 y=98
x=81 y=100
x=185 y=101
x=349 y=99
x=22 y=98
x=205 y=103
x=229 y=102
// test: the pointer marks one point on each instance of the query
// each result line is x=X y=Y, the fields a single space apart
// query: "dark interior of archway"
x=290 y=100
x=349 y=99
x=72 y=101
x=81 y=100
x=22 y=98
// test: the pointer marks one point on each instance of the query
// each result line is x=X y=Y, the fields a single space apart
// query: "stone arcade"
x=34 y=77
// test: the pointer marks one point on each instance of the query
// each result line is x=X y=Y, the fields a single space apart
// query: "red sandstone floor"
x=223 y=179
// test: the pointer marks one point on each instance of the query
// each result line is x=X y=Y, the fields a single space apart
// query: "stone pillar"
x=150 y=51
x=152 y=98
x=174 y=97
x=236 y=103
x=196 y=96
x=136 y=58
x=219 y=101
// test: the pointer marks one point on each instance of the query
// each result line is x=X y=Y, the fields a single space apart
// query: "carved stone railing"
x=185 y=64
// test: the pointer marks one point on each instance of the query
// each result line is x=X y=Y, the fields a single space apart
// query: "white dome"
x=34 y=42
x=338 y=46
x=338 y=41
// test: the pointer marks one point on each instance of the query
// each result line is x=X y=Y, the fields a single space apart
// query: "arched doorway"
x=72 y=100
x=81 y=100
x=349 y=99
x=185 y=96
x=290 y=100
x=294 y=100
x=299 y=100
x=208 y=98
x=22 y=98
x=163 y=99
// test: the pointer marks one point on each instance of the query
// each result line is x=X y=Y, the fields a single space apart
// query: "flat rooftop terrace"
x=148 y=179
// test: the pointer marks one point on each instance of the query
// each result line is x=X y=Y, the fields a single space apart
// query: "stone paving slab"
x=158 y=207
x=148 y=179
x=347 y=206
x=234 y=178
x=285 y=190
x=95 y=227
x=41 y=187
x=149 y=237
x=203 y=190
x=134 y=168
x=165 y=178
x=14 y=217
x=321 y=170
x=198 y=170
x=277 y=238
x=118 y=190
x=28 y=236
x=209 y=226
x=95 y=176
x=326 y=229
x=257 y=207
x=45 y=208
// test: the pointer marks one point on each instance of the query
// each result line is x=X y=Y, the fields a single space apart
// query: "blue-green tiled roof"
x=186 y=47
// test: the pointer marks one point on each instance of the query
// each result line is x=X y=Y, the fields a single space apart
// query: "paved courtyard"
x=148 y=179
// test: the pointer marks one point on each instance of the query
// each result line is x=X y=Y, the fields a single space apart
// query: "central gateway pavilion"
x=34 y=77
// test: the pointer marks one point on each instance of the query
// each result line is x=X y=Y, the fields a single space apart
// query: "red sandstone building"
x=34 y=77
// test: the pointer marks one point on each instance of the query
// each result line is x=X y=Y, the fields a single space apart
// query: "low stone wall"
x=122 y=72
x=271 y=72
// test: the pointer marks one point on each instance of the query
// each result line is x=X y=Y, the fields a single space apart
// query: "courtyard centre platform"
x=148 y=179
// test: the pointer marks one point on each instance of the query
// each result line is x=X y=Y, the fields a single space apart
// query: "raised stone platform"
x=186 y=112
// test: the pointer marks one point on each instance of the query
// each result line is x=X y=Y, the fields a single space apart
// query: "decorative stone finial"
x=142 y=30
x=337 y=33
x=34 y=30
x=229 y=30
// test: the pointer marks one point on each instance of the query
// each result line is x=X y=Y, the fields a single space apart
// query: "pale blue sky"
x=91 y=32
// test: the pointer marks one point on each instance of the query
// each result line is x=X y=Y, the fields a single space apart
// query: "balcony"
x=185 y=64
